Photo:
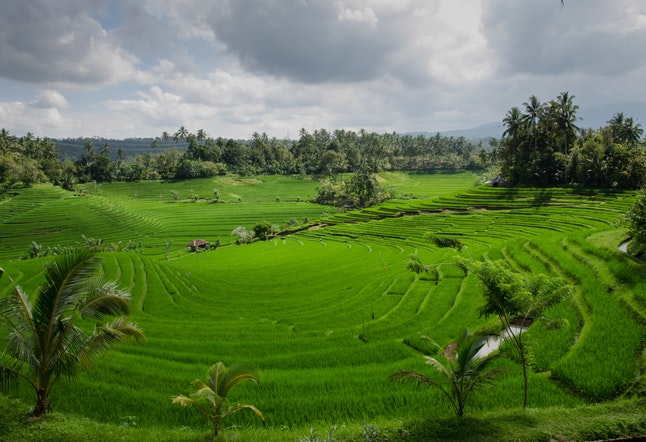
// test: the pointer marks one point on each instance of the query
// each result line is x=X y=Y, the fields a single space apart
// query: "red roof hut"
x=197 y=244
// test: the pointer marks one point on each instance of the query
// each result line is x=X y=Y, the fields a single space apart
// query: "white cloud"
x=59 y=44
x=234 y=67
x=361 y=16
x=38 y=117
x=49 y=98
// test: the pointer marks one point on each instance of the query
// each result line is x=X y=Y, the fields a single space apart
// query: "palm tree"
x=462 y=374
x=201 y=135
x=632 y=132
x=514 y=123
x=624 y=130
x=564 y=112
x=565 y=117
x=210 y=399
x=49 y=339
x=181 y=134
x=533 y=111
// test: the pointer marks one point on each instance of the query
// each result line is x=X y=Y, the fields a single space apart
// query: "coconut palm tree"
x=533 y=111
x=513 y=122
x=565 y=117
x=50 y=338
x=632 y=132
x=181 y=134
x=564 y=113
x=210 y=399
x=462 y=373
x=624 y=130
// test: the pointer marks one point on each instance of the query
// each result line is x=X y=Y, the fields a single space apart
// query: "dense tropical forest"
x=541 y=146
x=337 y=287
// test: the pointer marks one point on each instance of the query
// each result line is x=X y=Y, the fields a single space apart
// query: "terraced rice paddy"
x=328 y=312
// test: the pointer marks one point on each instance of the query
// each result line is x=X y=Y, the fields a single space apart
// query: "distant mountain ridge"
x=593 y=117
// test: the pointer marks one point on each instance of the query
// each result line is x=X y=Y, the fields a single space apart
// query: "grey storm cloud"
x=279 y=65
x=595 y=37
x=302 y=40
x=47 y=41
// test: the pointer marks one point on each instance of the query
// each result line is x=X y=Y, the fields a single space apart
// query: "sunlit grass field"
x=328 y=313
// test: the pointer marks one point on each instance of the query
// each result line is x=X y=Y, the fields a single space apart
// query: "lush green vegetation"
x=590 y=422
x=46 y=339
x=28 y=160
x=541 y=146
x=327 y=313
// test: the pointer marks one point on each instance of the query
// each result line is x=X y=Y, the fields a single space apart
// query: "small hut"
x=197 y=244
x=498 y=182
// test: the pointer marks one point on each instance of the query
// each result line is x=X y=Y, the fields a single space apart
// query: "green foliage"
x=625 y=130
x=264 y=230
x=462 y=373
x=541 y=146
x=302 y=326
x=637 y=224
x=444 y=242
x=613 y=420
x=35 y=250
x=511 y=296
x=167 y=247
x=210 y=399
x=46 y=341
x=416 y=265
x=362 y=190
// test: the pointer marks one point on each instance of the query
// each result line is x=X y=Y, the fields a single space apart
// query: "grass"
x=619 y=419
x=325 y=313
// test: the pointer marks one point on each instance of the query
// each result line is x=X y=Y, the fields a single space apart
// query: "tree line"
x=28 y=160
x=542 y=146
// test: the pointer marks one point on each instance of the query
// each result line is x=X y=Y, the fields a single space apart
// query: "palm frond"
x=209 y=398
x=233 y=376
x=121 y=329
x=222 y=379
x=104 y=337
x=437 y=365
x=214 y=374
x=104 y=299
x=21 y=349
x=182 y=400
x=239 y=407
x=204 y=393
x=460 y=377
x=8 y=378
x=70 y=348
x=471 y=346
x=16 y=312
x=413 y=377
x=65 y=285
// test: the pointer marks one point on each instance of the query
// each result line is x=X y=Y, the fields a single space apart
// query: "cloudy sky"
x=135 y=68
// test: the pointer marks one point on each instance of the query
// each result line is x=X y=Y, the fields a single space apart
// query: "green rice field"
x=328 y=310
